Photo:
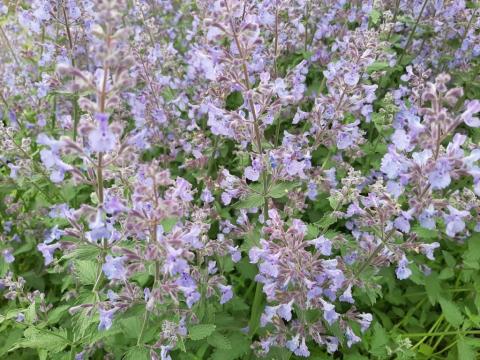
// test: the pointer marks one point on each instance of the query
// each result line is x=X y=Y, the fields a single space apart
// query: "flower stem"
x=256 y=309
x=410 y=37
x=442 y=333
x=146 y=315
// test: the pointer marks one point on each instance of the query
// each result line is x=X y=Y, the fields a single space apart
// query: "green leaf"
x=423 y=233
x=425 y=349
x=472 y=256
x=86 y=271
x=312 y=231
x=132 y=326
x=451 y=312
x=375 y=16
x=83 y=252
x=251 y=201
x=378 y=66
x=168 y=224
x=446 y=273
x=137 y=353
x=219 y=341
x=334 y=201
x=199 y=332
x=281 y=189
x=326 y=221
x=240 y=346
x=449 y=259
x=57 y=313
x=465 y=351
x=379 y=341
x=354 y=356
x=53 y=341
x=31 y=313
x=433 y=288
x=234 y=100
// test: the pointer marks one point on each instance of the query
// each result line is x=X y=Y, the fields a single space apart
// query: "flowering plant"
x=239 y=179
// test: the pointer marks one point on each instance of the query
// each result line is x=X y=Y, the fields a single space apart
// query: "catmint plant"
x=230 y=179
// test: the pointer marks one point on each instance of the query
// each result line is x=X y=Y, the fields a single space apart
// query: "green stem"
x=146 y=315
x=395 y=14
x=410 y=37
x=442 y=333
x=256 y=309
x=9 y=45
x=410 y=313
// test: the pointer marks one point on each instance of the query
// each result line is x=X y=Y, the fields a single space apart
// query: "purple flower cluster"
x=297 y=280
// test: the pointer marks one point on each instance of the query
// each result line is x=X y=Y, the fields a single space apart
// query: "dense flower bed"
x=239 y=179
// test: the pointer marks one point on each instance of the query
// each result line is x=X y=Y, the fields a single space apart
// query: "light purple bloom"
x=285 y=311
x=351 y=78
x=332 y=344
x=20 y=317
x=268 y=313
x=251 y=174
x=174 y=263
x=8 y=256
x=329 y=313
x=102 y=139
x=226 y=293
x=302 y=350
x=323 y=245
x=454 y=221
x=351 y=337
x=347 y=295
x=427 y=219
x=106 y=318
x=365 y=320
x=235 y=254
x=47 y=251
x=114 y=268
x=403 y=272
x=207 y=196
x=473 y=107
x=440 y=177
x=400 y=139
x=428 y=249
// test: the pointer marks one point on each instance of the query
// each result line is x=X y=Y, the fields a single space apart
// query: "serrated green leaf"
x=451 y=312
x=472 y=256
x=334 y=201
x=132 y=326
x=199 y=332
x=446 y=273
x=465 y=351
x=168 y=224
x=251 y=201
x=53 y=341
x=282 y=189
x=137 y=353
x=86 y=271
x=425 y=349
x=31 y=313
x=240 y=346
x=83 y=252
x=312 y=231
x=423 y=233
x=354 y=356
x=326 y=221
x=234 y=100
x=375 y=16
x=449 y=259
x=219 y=341
x=433 y=288
x=378 y=66
x=379 y=341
